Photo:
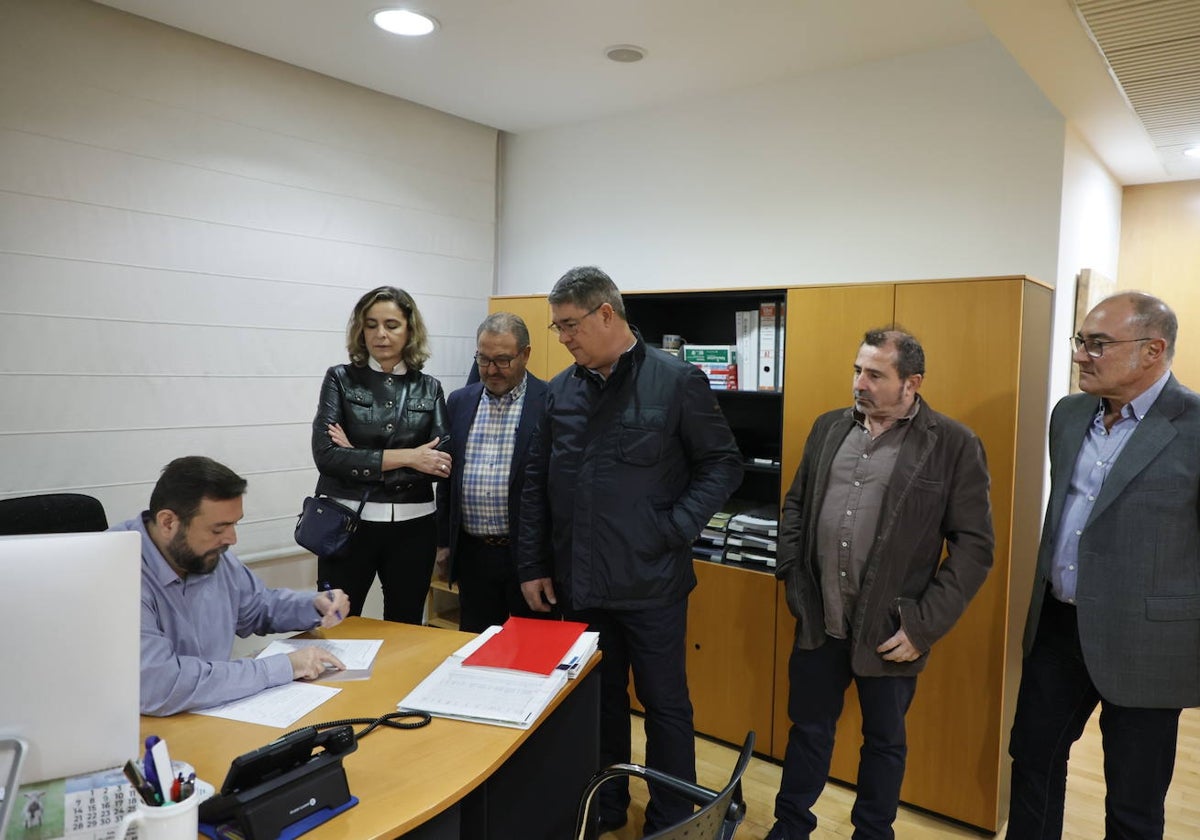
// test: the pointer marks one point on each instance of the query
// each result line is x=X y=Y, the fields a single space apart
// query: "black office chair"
x=52 y=513
x=720 y=811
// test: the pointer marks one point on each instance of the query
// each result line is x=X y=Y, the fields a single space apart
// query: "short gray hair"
x=505 y=323
x=587 y=287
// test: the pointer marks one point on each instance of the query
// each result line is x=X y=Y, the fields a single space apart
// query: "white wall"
x=184 y=228
x=1090 y=237
x=944 y=163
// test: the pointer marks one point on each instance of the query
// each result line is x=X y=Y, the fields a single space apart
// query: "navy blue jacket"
x=461 y=406
x=623 y=476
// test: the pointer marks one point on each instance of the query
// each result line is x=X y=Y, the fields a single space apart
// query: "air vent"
x=1153 y=50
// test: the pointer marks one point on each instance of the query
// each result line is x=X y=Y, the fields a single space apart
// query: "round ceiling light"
x=625 y=53
x=404 y=22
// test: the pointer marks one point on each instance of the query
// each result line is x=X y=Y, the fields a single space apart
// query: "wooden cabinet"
x=547 y=356
x=731 y=622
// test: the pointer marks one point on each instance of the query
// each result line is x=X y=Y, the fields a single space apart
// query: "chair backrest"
x=720 y=811
x=52 y=513
x=719 y=819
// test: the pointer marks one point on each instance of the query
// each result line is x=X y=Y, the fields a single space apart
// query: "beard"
x=188 y=560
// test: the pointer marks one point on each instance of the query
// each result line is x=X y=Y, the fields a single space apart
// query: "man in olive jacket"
x=632 y=459
x=882 y=486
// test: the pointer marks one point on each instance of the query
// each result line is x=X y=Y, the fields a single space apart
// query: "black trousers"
x=401 y=553
x=1054 y=702
x=818 y=681
x=488 y=590
x=652 y=643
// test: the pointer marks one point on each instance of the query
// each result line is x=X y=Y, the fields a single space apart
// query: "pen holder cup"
x=173 y=821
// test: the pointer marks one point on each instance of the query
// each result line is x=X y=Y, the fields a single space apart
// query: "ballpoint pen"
x=329 y=591
x=150 y=772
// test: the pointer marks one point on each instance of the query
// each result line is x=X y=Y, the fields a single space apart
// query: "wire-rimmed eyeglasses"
x=1094 y=347
x=571 y=327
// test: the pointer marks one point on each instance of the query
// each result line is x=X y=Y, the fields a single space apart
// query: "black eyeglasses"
x=502 y=362
x=572 y=327
x=1094 y=347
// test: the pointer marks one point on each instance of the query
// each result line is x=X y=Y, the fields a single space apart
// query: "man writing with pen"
x=196 y=595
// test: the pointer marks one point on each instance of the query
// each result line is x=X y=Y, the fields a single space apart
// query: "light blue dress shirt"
x=1100 y=450
x=188 y=628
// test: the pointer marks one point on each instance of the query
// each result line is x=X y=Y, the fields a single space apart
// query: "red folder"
x=528 y=644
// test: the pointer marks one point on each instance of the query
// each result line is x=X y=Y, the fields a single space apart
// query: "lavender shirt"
x=188 y=627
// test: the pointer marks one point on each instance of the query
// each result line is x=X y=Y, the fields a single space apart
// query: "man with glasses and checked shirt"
x=492 y=422
x=1115 y=614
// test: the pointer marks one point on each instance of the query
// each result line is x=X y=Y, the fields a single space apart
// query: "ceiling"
x=522 y=65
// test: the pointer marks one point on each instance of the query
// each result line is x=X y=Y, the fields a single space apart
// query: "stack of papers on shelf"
x=495 y=695
x=710 y=545
x=752 y=539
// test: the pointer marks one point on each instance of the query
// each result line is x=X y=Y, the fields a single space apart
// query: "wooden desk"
x=434 y=781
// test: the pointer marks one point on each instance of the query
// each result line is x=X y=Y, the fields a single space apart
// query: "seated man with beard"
x=196 y=595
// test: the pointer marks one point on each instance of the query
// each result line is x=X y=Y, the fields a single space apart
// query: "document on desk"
x=280 y=706
x=356 y=654
x=484 y=695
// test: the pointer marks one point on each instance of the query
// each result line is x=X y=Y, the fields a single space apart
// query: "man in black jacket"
x=632 y=458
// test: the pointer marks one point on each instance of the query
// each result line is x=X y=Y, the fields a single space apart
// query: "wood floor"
x=1085 y=793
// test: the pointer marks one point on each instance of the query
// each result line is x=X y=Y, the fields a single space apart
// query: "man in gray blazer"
x=1115 y=614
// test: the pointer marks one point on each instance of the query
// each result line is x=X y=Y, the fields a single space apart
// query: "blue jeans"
x=1054 y=702
x=818 y=682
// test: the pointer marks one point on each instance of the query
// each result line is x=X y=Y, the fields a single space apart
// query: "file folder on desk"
x=528 y=644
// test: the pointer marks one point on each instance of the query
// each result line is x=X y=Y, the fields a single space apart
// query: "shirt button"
x=353 y=472
x=388 y=427
x=1091 y=498
x=366 y=472
x=843 y=574
x=388 y=404
x=849 y=513
x=1071 y=567
x=858 y=484
x=844 y=544
x=1079 y=533
x=865 y=455
x=1099 y=463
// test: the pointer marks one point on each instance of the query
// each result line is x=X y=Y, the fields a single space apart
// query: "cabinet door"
x=731 y=627
x=547 y=356
x=971 y=332
x=825 y=326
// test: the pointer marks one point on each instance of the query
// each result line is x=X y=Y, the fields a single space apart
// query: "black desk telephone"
x=285 y=781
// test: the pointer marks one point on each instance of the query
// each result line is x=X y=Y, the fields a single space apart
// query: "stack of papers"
x=499 y=696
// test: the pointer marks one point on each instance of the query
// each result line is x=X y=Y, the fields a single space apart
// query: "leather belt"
x=488 y=540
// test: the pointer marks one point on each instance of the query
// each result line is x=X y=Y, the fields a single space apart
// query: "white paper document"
x=356 y=654
x=280 y=706
x=484 y=695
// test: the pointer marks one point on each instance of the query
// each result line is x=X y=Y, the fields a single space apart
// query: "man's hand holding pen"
x=333 y=605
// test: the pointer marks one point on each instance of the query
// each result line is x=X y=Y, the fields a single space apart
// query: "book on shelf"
x=751 y=541
x=746 y=522
x=712 y=536
x=750 y=557
x=769 y=326
x=746 y=335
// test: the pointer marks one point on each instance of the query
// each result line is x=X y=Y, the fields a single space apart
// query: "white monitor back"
x=69 y=665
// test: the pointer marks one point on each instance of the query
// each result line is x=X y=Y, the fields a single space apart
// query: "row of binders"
x=754 y=362
x=506 y=676
x=742 y=538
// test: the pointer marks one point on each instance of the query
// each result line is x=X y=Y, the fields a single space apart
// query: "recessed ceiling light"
x=625 y=53
x=404 y=22
x=1193 y=151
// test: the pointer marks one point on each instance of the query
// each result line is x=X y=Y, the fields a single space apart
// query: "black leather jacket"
x=377 y=411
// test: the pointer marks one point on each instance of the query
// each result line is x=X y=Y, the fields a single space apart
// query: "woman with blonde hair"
x=375 y=437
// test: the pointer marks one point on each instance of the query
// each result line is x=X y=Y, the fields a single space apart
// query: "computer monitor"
x=71 y=606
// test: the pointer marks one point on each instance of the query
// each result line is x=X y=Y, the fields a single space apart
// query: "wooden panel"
x=548 y=356
x=1160 y=254
x=731 y=622
x=971 y=332
x=825 y=326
